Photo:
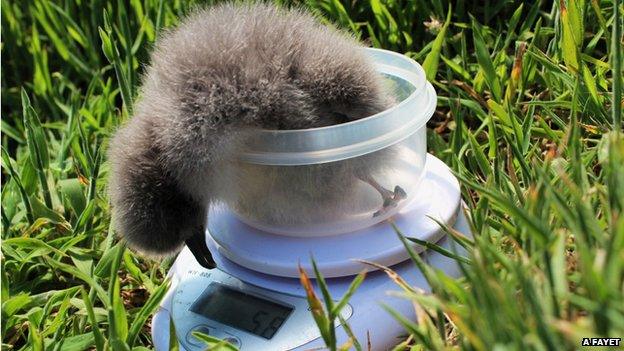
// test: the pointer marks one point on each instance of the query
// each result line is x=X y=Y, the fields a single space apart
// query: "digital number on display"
x=240 y=310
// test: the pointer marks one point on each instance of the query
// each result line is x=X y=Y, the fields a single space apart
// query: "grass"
x=529 y=118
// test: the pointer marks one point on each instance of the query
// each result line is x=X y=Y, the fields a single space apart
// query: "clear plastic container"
x=341 y=178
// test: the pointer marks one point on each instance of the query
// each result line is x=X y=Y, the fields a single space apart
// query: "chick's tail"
x=151 y=211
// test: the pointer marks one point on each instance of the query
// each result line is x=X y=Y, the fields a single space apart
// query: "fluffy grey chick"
x=224 y=72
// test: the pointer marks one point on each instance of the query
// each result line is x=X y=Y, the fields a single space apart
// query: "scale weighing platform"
x=255 y=301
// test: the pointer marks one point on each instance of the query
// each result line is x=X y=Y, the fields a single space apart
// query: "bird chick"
x=222 y=73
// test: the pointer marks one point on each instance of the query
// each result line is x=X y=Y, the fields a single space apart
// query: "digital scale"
x=255 y=301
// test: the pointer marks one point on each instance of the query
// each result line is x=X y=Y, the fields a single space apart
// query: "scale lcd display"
x=241 y=311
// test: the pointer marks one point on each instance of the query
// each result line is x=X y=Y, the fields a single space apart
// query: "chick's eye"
x=341 y=117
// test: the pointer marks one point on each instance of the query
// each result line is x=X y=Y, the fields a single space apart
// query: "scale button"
x=204 y=329
x=232 y=340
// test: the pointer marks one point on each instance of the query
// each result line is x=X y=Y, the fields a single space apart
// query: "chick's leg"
x=390 y=198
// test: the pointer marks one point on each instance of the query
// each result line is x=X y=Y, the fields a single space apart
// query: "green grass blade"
x=6 y=163
x=430 y=65
x=109 y=47
x=616 y=64
x=357 y=281
x=37 y=145
x=146 y=311
x=485 y=62
x=97 y=334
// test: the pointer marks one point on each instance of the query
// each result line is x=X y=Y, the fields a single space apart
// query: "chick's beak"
x=197 y=245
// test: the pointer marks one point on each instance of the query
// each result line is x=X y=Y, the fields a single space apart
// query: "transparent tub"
x=341 y=178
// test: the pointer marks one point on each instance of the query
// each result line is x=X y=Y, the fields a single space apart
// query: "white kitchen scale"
x=255 y=301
